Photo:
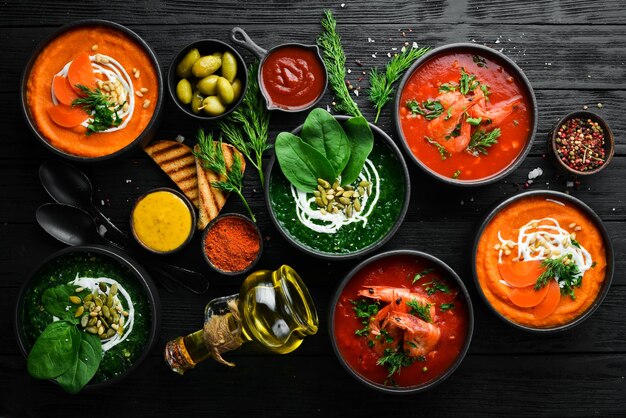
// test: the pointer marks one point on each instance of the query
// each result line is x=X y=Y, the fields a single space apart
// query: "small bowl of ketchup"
x=292 y=76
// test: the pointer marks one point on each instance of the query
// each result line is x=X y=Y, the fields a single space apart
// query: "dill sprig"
x=421 y=310
x=394 y=361
x=442 y=150
x=481 y=140
x=247 y=128
x=381 y=83
x=568 y=275
x=335 y=60
x=101 y=109
x=212 y=158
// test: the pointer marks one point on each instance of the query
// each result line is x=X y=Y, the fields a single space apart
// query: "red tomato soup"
x=293 y=77
x=465 y=116
x=421 y=325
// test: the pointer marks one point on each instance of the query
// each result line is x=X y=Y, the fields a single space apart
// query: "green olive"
x=183 y=69
x=206 y=66
x=237 y=87
x=225 y=91
x=212 y=106
x=208 y=84
x=229 y=66
x=196 y=101
x=183 y=91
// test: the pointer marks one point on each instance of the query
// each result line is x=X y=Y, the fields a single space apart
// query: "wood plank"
x=596 y=62
x=181 y=12
x=577 y=385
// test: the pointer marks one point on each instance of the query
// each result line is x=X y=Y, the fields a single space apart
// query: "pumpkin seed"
x=75 y=300
x=348 y=187
x=105 y=323
x=98 y=302
x=84 y=321
x=106 y=312
x=324 y=199
x=364 y=183
x=79 y=289
x=356 y=195
x=115 y=326
x=93 y=313
x=98 y=323
x=335 y=184
x=357 y=205
x=109 y=300
x=323 y=183
x=92 y=330
x=344 y=200
x=319 y=202
x=102 y=286
x=79 y=311
x=329 y=207
x=316 y=193
x=339 y=193
x=125 y=313
x=348 y=193
x=361 y=190
x=98 y=309
x=100 y=330
x=349 y=211
x=92 y=321
x=113 y=290
x=110 y=333
x=89 y=297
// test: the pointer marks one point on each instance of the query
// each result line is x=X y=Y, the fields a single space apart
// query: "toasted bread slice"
x=212 y=200
x=178 y=162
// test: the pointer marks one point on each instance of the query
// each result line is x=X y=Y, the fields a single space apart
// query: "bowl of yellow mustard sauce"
x=163 y=220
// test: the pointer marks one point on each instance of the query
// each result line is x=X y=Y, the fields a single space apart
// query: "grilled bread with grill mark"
x=178 y=162
x=212 y=200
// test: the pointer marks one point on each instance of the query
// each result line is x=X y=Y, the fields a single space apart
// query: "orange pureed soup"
x=523 y=247
x=465 y=116
x=98 y=57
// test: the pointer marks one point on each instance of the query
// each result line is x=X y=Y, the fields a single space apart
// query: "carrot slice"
x=67 y=116
x=527 y=297
x=81 y=72
x=550 y=303
x=63 y=90
x=520 y=273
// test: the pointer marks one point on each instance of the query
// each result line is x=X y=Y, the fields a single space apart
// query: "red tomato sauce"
x=292 y=77
x=503 y=88
x=399 y=271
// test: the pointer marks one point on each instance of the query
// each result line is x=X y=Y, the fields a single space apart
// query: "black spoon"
x=67 y=184
x=74 y=226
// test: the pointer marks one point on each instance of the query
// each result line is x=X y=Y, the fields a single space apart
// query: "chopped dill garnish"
x=100 y=107
x=481 y=140
x=421 y=310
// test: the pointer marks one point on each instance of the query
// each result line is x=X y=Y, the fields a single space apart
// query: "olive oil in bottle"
x=273 y=309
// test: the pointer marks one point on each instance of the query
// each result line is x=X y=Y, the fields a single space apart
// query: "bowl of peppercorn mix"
x=582 y=143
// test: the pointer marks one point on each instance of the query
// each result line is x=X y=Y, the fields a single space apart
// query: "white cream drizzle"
x=554 y=242
x=92 y=284
x=112 y=70
x=310 y=216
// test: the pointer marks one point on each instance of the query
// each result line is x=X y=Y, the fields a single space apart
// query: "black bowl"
x=410 y=389
x=610 y=258
x=507 y=63
x=144 y=137
x=609 y=144
x=206 y=47
x=215 y=221
x=137 y=271
x=379 y=135
x=192 y=211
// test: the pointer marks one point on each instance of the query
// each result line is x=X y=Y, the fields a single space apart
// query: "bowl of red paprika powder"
x=232 y=244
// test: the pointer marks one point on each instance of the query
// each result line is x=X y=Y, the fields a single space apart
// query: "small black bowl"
x=610 y=258
x=379 y=135
x=192 y=211
x=213 y=223
x=411 y=389
x=144 y=137
x=507 y=63
x=609 y=143
x=207 y=47
x=137 y=271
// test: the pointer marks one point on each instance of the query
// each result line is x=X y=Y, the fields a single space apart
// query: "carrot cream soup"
x=92 y=91
x=465 y=116
x=541 y=262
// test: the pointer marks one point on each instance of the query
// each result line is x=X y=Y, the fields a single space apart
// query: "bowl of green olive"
x=207 y=79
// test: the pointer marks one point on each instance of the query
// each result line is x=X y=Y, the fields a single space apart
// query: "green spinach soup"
x=302 y=215
x=95 y=300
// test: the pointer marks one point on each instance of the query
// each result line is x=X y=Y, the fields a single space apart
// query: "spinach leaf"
x=301 y=163
x=322 y=131
x=52 y=353
x=84 y=364
x=56 y=300
x=361 y=141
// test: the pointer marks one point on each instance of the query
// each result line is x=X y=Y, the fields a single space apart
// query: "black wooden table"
x=574 y=54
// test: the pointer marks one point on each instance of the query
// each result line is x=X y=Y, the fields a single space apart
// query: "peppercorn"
x=580 y=144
